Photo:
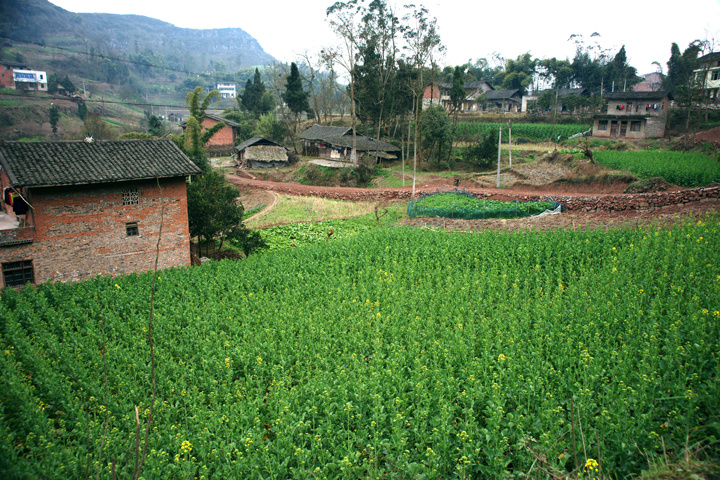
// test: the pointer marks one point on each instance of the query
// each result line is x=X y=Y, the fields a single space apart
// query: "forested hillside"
x=143 y=39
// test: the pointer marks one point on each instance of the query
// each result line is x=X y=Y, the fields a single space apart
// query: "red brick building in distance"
x=7 y=79
x=91 y=208
x=223 y=142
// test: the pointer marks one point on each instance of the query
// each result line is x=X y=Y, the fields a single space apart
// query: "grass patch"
x=253 y=211
x=112 y=122
x=292 y=209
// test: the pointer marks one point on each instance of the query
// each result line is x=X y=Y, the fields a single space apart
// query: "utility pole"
x=499 y=151
x=510 y=141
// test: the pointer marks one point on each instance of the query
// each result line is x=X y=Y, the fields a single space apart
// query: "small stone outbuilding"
x=260 y=152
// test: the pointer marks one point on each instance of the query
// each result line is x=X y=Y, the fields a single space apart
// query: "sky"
x=287 y=28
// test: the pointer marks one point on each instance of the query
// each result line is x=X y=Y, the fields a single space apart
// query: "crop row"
x=686 y=169
x=465 y=205
x=396 y=353
x=538 y=132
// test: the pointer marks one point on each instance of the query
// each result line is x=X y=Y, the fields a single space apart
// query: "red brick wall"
x=80 y=232
x=223 y=138
x=6 y=77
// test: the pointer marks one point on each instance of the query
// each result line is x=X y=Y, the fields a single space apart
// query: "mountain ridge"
x=39 y=21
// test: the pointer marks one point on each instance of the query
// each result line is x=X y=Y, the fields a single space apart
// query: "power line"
x=112 y=102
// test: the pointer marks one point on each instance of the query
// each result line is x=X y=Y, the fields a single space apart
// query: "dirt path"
x=266 y=210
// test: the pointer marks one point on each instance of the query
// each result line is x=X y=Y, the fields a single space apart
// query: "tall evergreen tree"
x=295 y=96
x=620 y=74
x=457 y=92
x=252 y=97
x=54 y=117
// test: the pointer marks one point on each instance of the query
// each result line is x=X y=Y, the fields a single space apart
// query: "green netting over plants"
x=463 y=204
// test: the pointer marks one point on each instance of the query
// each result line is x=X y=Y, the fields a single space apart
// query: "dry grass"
x=292 y=209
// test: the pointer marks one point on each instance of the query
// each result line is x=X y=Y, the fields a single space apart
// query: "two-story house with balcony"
x=30 y=79
x=633 y=115
x=227 y=90
x=708 y=76
x=72 y=210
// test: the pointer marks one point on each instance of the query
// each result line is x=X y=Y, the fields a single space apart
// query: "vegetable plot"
x=686 y=169
x=396 y=353
x=537 y=132
x=464 y=205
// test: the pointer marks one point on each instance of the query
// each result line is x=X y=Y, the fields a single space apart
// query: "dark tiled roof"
x=46 y=164
x=659 y=95
x=709 y=57
x=477 y=84
x=572 y=91
x=362 y=143
x=320 y=132
x=257 y=141
x=218 y=118
x=501 y=94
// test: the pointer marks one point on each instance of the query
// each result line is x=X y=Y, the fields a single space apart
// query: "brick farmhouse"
x=92 y=208
x=223 y=142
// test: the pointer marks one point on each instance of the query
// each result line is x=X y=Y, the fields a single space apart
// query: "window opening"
x=17 y=274
x=131 y=229
x=130 y=196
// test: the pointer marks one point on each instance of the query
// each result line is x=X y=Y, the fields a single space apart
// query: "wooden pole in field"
x=510 y=141
x=499 y=151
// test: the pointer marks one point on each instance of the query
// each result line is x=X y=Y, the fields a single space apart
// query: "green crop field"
x=686 y=169
x=537 y=132
x=396 y=353
x=465 y=205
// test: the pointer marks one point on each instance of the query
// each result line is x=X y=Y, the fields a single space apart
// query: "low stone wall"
x=589 y=203
x=639 y=202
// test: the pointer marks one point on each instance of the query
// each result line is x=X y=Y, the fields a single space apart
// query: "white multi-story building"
x=227 y=90
x=708 y=76
x=33 y=79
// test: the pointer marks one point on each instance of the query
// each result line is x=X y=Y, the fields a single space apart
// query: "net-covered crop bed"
x=461 y=204
x=395 y=354
x=532 y=131
x=687 y=169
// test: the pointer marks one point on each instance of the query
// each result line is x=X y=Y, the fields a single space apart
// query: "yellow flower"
x=591 y=465
x=117 y=286
x=186 y=447
x=501 y=358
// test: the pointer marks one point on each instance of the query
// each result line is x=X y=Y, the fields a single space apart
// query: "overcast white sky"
x=469 y=29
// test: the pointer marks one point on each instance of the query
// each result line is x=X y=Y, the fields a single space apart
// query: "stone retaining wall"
x=585 y=203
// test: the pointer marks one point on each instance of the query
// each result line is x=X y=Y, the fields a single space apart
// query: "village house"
x=440 y=95
x=335 y=143
x=75 y=209
x=7 y=79
x=504 y=100
x=30 y=80
x=227 y=90
x=564 y=96
x=651 y=82
x=707 y=75
x=633 y=115
x=223 y=142
x=261 y=153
